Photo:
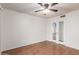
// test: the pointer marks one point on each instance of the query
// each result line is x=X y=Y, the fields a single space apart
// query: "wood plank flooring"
x=43 y=48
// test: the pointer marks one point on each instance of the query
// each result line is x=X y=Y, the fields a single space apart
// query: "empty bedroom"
x=39 y=28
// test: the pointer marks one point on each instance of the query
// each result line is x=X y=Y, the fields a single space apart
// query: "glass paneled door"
x=61 y=28
x=58 y=28
x=54 y=31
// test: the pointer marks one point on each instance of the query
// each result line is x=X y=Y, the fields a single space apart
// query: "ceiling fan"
x=46 y=7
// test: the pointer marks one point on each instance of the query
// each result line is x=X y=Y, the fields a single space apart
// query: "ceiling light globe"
x=46 y=11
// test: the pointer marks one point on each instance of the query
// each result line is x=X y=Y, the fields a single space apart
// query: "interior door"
x=0 y=27
x=0 y=31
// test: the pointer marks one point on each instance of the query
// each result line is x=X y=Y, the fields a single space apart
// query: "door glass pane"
x=61 y=24
x=54 y=31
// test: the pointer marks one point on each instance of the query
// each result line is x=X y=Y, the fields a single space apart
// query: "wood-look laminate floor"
x=43 y=48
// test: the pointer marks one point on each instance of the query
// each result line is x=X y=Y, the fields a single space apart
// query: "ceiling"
x=29 y=8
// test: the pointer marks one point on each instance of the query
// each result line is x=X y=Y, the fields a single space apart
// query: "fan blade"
x=40 y=4
x=53 y=4
x=39 y=10
x=46 y=5
x=53 y=10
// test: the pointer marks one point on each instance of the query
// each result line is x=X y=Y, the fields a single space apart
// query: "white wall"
x=21 y=29
x=71 y=29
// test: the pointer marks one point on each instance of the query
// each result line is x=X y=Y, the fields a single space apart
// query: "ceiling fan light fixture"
x=46 y=11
